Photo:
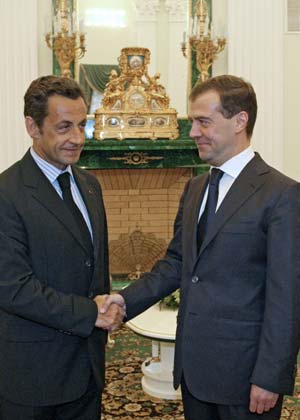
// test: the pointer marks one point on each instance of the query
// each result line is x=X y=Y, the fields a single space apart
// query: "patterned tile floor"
x=124 y=398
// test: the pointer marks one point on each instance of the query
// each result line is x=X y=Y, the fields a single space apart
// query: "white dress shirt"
x=232 y=168
x=51 y=172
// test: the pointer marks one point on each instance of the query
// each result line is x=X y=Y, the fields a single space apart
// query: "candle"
x=206 y=25
x=191 y=23
x=55 y=31
x=74 y=21
x=47 y=25
x=194 y=26
x=197 y=28
x=70 y=25
x=58 y=21
x=81 y=25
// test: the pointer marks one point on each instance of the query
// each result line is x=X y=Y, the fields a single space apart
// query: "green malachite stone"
x=160 y=153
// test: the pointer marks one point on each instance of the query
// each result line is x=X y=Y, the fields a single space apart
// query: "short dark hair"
x=36 y=96
x=236 y=95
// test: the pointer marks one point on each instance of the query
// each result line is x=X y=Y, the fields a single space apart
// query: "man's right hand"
x=110 y=299
x=261 y=400
x=111 y=311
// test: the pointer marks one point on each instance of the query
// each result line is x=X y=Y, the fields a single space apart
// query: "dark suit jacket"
x=48 y=343
x=239 y=315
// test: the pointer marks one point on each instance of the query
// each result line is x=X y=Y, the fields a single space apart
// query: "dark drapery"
x=94 y=77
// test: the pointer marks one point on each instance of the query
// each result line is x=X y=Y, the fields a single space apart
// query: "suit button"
x=195 y=279
x=88 y=263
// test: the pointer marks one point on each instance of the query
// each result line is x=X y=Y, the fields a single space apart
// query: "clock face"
x=136 y=100
x=135 y=61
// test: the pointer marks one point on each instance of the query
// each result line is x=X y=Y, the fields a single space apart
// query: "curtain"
x=93 y=77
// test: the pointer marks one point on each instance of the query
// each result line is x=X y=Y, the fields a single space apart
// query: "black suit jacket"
x=48 y=343
x=239 y=316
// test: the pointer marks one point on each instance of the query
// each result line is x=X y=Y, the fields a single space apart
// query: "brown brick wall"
x=142 y=199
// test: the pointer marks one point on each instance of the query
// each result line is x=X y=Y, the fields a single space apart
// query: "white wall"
x=255 y=52
x=290 y=84
x=18 y=32
x=220 y=21
x=103 y=43
x=292 y=105
x=44 y=55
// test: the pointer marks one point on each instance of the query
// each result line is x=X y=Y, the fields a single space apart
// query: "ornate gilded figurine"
x=135 y=105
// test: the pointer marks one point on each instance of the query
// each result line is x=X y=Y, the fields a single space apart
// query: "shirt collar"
x=49 y=170
x=234 y=166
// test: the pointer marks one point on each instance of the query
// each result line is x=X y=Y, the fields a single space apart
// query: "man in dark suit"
x=235 y=256
x=54 y=267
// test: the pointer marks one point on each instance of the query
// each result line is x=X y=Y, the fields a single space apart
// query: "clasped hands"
x=111 y=311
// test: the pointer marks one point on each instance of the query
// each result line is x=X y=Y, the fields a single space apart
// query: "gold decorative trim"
x=136 y=158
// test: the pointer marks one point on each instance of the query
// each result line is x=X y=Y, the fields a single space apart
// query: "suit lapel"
x=246 y=184
x=45 y=194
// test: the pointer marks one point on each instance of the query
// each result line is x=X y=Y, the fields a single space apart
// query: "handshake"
x=111 y=311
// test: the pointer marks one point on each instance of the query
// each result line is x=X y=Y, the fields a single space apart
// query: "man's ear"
x=32 y=128
x=241 y=121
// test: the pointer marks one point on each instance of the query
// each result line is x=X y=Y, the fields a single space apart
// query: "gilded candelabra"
x=202 y=40
x=65 y=41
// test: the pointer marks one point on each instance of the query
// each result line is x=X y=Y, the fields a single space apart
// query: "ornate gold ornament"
x=65 y=40
x=202 y=41
x=135 y=105
x=136 y=158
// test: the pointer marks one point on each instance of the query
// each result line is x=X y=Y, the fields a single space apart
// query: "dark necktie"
x=210 y=207
x=64 y=183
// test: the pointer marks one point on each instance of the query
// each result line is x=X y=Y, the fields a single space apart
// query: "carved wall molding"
x=147 y=10
x=177 y=10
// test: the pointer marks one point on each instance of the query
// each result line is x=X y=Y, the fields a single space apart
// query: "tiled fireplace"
x=141 y=206
x=142 y=181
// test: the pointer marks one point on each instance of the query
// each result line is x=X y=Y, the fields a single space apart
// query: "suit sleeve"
x=24 y=295
x=164 y=278
x=280 y=336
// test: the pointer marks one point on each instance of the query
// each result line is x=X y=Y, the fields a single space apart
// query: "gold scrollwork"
x=136 y=158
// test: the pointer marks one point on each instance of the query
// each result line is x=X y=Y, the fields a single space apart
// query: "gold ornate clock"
x=135 y=105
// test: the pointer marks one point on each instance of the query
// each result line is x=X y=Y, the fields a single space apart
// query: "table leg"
x=157 y=370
